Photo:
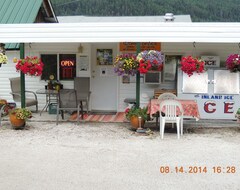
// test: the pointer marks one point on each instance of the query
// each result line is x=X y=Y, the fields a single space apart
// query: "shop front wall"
x=222 y=50
x=123 y=90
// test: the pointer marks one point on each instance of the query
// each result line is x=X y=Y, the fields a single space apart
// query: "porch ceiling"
x=121 y=32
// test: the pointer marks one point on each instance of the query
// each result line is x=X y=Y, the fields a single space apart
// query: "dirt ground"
x=106 y=156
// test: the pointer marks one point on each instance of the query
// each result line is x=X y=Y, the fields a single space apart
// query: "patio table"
x=51 y=97
x=190 y=108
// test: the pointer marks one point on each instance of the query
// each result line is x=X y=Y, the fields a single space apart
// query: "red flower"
x=127 y=110
x=32 y=66
x=190 y=64
x=233 y=62
x=150 y=61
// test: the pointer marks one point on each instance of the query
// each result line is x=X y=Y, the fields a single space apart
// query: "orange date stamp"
x=198 y=169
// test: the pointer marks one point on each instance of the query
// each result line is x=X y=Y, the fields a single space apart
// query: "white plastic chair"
x=167 y=96
x=171 y=115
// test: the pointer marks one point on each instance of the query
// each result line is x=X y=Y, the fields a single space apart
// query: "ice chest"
x=52 y=109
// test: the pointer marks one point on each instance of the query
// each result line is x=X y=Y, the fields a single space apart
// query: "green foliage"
x=22 y=113
x=238 y=111
x=139 y=112
x=200 y=11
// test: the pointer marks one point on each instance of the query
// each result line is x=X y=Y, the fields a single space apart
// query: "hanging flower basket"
x=190 y=64
x=125 y=64
x=150 y=61
x=3 y=59
x=233 y=62
x=32 y=66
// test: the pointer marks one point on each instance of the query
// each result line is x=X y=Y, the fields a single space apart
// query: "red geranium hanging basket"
x=31 y=65
x=190 y=64
x=151 y=60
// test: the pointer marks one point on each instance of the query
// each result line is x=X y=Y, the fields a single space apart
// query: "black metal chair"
x=67 y=101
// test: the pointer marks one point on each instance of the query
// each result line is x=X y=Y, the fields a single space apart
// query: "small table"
x=190 y=108
x=51 y=97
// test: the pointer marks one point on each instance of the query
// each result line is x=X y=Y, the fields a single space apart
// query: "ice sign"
x=211 y=61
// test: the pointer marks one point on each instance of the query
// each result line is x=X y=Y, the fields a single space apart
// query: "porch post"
x=138 y=80
x=22 y=78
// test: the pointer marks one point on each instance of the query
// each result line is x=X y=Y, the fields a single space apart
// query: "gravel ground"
x=106 y=156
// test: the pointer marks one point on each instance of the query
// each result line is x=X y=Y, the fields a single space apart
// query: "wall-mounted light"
x=80 y=48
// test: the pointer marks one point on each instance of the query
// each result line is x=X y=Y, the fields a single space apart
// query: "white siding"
x=32 y=83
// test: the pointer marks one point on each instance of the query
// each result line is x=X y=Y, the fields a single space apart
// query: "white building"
x=81 y=41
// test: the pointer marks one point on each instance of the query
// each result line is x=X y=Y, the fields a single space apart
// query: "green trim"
x=22 y=76
x=138 y=81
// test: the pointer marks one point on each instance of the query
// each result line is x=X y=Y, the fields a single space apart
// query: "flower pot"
x=16 y=123
x=135 y=122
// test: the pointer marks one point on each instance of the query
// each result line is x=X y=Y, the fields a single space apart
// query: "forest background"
x=199 y=10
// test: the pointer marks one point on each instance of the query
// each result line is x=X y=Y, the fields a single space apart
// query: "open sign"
x=67 y=63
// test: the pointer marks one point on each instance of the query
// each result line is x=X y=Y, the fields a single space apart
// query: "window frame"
x=58 y=64
x=173 y=82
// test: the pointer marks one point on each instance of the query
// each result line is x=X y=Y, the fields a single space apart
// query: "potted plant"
x=233 y=62
x=18 y=117
x=31 y=65
x=237 y=115
x=150 y=61
x=136 y=116
x=190 y=64
x=125 y=64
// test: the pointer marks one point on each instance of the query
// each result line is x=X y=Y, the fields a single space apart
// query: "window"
x=67 y=66
x=152 y=78
x=170 y=67
x=65 y=69
x=50 y=66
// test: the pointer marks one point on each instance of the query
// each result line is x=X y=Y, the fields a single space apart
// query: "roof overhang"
x=121 y=32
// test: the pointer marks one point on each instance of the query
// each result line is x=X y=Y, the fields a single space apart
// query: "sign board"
x=67 y=66
x=211 y=61
x=216 y=92
x=132 y=46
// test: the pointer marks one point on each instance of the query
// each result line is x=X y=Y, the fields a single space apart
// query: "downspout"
x=138 y=80
x=22 y=78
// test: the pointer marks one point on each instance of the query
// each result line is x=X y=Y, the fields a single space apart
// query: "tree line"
x=199 y=10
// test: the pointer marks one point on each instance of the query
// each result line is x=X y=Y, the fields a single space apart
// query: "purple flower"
x=125 y=64
x=152 y=57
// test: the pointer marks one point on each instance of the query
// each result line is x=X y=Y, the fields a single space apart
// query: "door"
x=103 y=80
